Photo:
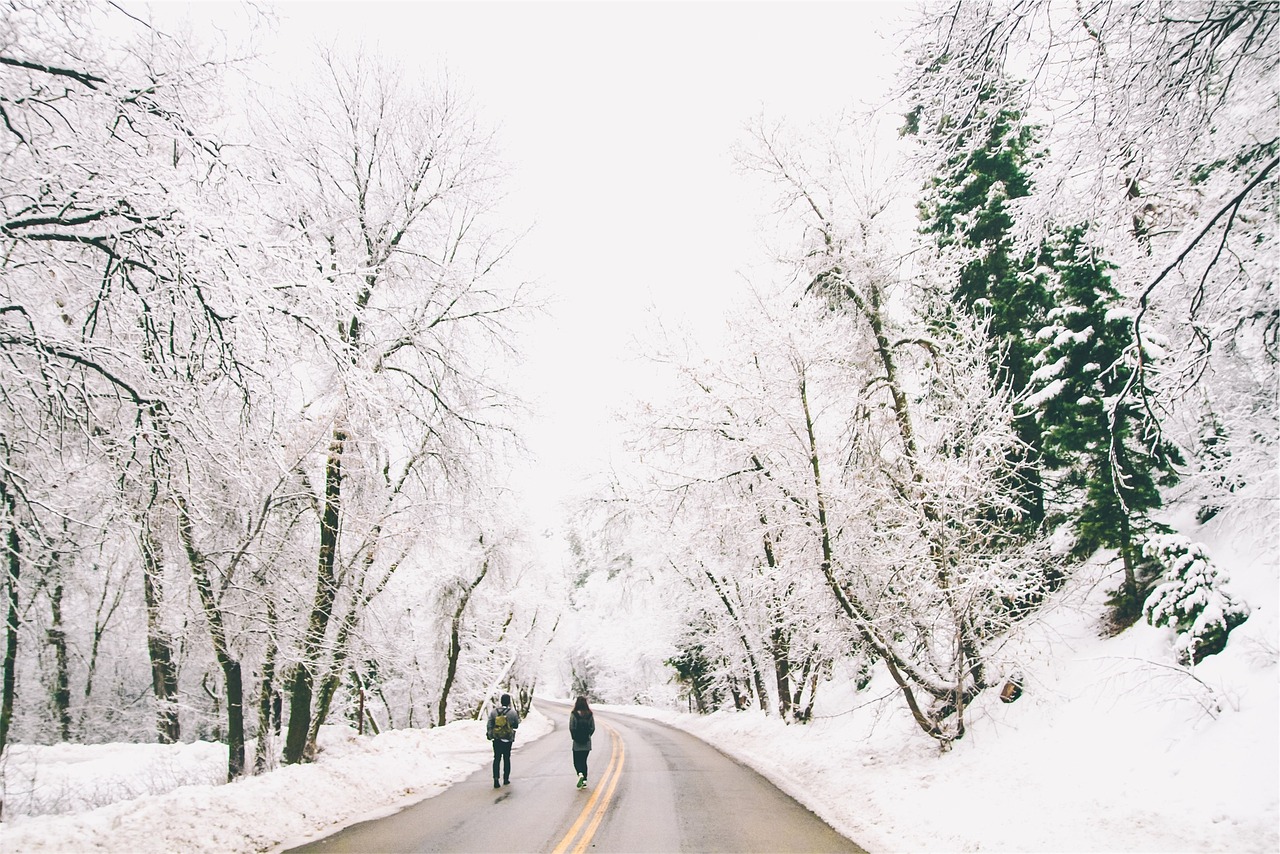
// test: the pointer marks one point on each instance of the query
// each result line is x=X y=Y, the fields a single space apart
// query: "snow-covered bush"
x=1193 y=600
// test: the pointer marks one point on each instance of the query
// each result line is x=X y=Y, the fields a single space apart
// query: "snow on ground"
x=1111 y=748
x=354 y=778
x=1106 y=751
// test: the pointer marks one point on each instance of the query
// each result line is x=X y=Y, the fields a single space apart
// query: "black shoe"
x=495 y=782
x=506 y=782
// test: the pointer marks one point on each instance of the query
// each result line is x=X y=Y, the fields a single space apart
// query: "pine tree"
x=1089 y=399
x=967 y=209
x=1193 y=600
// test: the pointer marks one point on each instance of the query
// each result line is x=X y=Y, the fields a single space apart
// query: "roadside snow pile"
x=63 y=779
x=353 y=778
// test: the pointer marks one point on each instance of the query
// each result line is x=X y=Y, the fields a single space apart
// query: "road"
x=653 y=789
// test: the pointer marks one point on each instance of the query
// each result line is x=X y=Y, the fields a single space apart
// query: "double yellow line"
x=589 y=820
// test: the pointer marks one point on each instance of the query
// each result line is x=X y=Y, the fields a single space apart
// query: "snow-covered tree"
x=929 y=565
x=981 y=165
x=122 y=276
x=1158 y=126
x=1104 y=453
x=1193 y=601
x=388 y=185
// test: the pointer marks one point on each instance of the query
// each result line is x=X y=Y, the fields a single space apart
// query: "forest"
x=256 y=414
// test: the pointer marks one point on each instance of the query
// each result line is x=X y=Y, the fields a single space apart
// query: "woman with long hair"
x=582 y=724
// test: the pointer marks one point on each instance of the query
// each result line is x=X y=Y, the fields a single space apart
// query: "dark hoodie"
x=581 y=727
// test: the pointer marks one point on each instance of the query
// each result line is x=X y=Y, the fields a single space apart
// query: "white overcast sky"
x=618 y=121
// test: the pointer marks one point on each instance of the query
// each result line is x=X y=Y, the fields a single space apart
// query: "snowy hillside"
x=1112 y=747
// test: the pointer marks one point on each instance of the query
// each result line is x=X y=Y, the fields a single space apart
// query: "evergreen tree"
x=1089 y=397
x=967 y=209
x=1192 y=600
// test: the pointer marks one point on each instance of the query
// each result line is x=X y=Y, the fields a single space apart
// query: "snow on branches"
x=1193 y=601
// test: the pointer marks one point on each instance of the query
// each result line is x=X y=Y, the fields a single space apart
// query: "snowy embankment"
x=354 y=778
x=1112 y=747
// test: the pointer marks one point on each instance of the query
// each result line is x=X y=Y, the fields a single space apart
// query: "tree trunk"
x=778 y=638
x=107 y=605
x=164 y=670
x=757 y=676
x=873 y=313
x=812 y=675
x=782 y=669
x=234 y=684
x=299 y=713
x=851 y=607
x=360 y=599
x=267 y=692
x=303 y=678
x=14 y=568
x=62 y=672
x=1126 y=555
x=329 y=686
x=455 y=641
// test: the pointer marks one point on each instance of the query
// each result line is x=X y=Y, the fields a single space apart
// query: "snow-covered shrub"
x=1192 y=600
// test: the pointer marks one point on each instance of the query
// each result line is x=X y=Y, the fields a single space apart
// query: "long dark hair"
x=580 y=707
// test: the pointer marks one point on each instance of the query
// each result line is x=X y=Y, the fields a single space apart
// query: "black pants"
x=502 y=754
x=580 y=761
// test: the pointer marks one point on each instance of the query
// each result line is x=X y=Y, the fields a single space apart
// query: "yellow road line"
x=604 y=804
x=600 y=798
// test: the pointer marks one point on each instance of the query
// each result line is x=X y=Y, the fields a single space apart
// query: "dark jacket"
x=581 y=728
x=513 y=718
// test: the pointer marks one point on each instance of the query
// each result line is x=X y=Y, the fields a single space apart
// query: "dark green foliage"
x=695 y=674
x=1089 y=395
x=1193 y=599
x=967 y=207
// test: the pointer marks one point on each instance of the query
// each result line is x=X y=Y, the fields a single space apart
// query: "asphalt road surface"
x=651 y=789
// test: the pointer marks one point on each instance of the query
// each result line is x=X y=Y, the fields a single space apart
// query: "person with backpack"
x=501 y=730
x=582 y=725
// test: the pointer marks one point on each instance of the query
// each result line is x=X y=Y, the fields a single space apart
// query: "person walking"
x=501 y=730
x=582 y=725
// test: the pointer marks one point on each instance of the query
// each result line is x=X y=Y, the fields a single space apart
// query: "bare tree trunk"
x=455 y=641
x=329 y=686
x=1129 y=592
x=811 y=676
x=361 y=596
x=267 y=691
x=13 y=566
x=778 y=639
x=232 y=677
x=782 y=668
x=61 y=670
x=847 y=603
x=302 y=682
x=107 y=605
x=164 y=670
x=362 y=713
x=757 y=675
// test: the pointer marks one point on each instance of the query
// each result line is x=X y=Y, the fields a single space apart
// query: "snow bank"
x=1104 y=752
x=354 y=778
x=1112 y=746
